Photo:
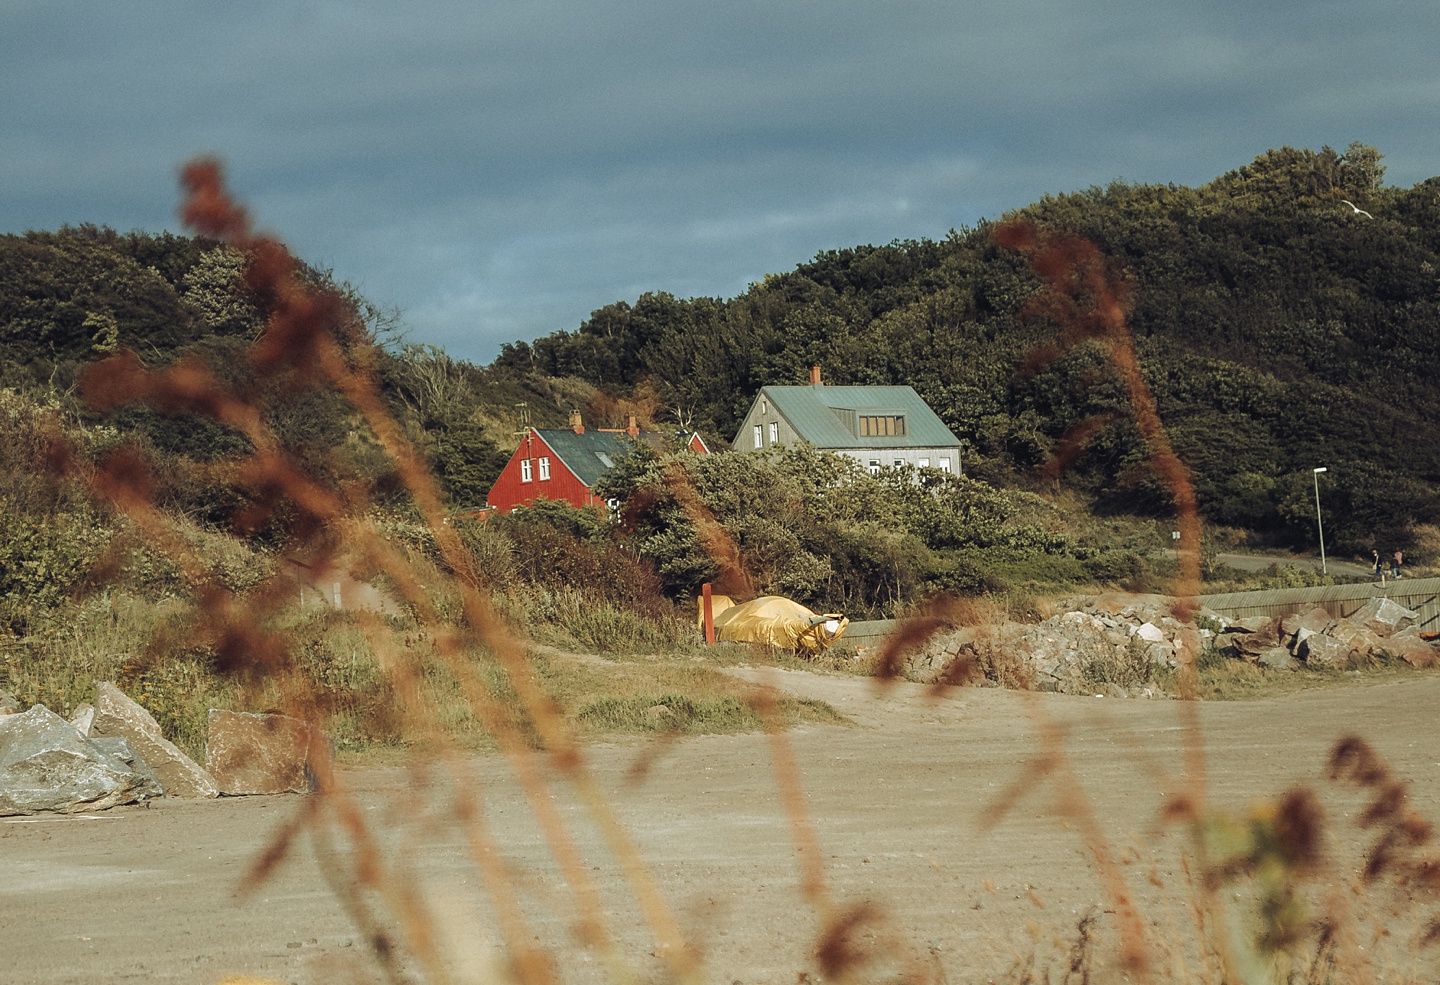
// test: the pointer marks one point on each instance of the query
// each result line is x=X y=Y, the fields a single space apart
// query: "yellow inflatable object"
x=777 y=621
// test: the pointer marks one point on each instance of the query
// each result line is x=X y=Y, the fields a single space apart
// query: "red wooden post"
x=709 y=615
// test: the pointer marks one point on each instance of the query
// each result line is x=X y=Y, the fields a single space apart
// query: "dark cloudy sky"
x=497 y=170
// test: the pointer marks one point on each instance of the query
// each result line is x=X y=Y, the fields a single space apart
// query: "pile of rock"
x=1101 y=645
x=1381 y=629
x=1110 y=645
x=113 y=752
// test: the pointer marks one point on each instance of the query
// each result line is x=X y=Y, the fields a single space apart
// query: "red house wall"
x=509 y=492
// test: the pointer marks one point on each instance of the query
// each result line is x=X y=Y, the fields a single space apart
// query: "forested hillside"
x=1279 y=328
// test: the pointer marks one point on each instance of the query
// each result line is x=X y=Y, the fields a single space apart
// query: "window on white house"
x=874 y=466
x=764 y=407
x=525 y=471
x=544 y=469
x=759 y=438
x=899 y=462
x=944 y=465
x=924 y=463
x=882 y=426
x=774 y=432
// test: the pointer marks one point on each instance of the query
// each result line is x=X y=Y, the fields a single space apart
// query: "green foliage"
x=821 y=529
x=1278 y=329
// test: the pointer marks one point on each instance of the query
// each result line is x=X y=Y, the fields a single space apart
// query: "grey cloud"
x=499 y=169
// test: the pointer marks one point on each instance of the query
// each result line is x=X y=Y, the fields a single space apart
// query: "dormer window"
x=882 y=425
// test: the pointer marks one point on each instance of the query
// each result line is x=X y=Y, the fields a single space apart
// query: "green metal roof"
x=811 y=411
x=588 y=455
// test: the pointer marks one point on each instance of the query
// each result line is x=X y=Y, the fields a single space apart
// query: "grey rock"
x=47 y=765
x=1325 y=651
x=1278 y=658
x=263 y=754
x=1290 y=625
x=117 y=715
x=83 y=717
x=121 y=749
x=1162 y=654
x=1384 y=617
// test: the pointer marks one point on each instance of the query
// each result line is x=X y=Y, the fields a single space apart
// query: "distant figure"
x=1379 y=566
x=1395 y=561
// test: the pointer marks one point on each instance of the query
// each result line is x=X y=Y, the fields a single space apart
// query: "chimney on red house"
x=576 y=425
x=815 y=376
x=632 y=427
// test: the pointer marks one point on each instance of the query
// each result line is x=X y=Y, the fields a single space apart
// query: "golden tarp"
x=779 y=622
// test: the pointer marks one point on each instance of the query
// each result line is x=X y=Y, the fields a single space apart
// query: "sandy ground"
x=149 y=894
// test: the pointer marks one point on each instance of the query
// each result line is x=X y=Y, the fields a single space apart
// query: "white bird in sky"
x=1357 y=208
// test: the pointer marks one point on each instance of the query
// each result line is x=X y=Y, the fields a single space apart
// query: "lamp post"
x=1319 y=524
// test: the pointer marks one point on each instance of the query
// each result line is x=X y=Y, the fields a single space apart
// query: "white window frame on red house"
x=526 y=474
x=545 y=469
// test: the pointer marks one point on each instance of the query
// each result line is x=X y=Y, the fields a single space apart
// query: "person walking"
x=1379 y=565
x=1395 y=562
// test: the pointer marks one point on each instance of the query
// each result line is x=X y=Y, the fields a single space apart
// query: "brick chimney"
x=815 y=376
x=576 y=424
x=632 y=427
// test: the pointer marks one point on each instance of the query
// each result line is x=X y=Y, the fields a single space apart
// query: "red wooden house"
x=565 y=463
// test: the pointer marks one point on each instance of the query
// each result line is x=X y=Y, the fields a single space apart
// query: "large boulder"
x=122 y=750
x=1277 y=658
x=1320 y=650
x=1384 y=617
x=1413 y=650
x=47 y=765
x=1359 y=638
x=117 y=715
x=258 y=754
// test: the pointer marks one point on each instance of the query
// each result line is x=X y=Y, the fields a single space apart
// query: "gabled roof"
x=812 y=412
x=589 y=455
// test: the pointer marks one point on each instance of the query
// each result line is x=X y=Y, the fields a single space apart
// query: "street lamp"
x=1318 y=523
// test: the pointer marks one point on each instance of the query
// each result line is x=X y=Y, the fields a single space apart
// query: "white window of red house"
x=525 y=470
x=759 y=438
x=544 y=469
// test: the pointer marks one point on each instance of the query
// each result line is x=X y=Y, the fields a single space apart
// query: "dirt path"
x=148 y=895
